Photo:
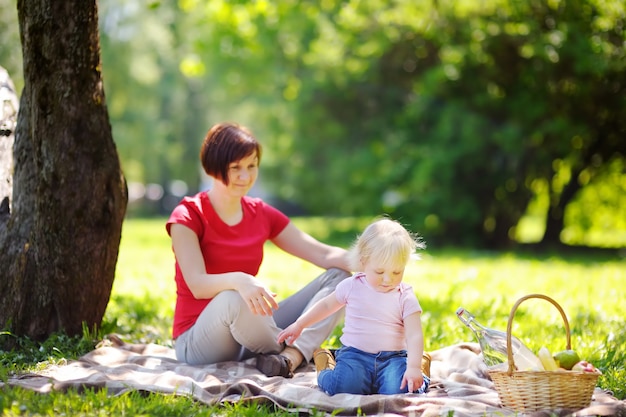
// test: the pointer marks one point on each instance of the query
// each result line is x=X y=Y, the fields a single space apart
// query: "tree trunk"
x=555 y=220
x=59 y=245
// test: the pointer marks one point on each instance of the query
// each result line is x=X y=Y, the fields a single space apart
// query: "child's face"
x=383 y=278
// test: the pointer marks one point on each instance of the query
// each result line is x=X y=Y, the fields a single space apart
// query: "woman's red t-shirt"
x=224 y=248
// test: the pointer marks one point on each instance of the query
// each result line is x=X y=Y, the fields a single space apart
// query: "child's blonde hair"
x=386 y=242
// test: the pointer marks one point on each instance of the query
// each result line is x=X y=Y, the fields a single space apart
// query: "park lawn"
x=589 y=287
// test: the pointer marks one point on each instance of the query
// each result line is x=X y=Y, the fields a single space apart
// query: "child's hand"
x=412 y=378
x=290 y=334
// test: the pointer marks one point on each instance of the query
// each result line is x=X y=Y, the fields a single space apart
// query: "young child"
x=383 y=345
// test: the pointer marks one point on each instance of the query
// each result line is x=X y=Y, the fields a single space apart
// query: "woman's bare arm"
x=305 y=246
x=186 y=247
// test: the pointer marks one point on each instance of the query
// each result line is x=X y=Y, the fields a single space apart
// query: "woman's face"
x=242 y=174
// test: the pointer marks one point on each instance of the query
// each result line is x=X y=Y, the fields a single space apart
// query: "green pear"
x=566 y=359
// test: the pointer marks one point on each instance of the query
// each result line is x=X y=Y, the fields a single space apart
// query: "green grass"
x=589 y=287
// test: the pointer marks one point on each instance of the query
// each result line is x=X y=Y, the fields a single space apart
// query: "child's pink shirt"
x=374 y=321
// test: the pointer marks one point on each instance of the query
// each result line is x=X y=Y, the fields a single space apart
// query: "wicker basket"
x=529 y=391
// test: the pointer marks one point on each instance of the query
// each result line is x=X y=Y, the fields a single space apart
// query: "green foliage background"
x=462 y=118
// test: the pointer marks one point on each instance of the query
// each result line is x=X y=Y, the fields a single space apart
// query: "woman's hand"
x=258 y=297
x=290 y=334
x=413 y=378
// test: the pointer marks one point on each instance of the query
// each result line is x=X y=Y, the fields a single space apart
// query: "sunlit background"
x=474 y=123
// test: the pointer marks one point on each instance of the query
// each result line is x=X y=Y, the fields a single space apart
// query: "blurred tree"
x=456 y=116
x=157 y=113
x=59 y=243
x=9 y=107
x=448 y=115
x=10 y=53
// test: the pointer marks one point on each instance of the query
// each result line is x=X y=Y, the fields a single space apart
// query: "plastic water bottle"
x=493 y=345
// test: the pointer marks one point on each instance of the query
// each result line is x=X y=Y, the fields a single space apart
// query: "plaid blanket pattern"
x=460 y=386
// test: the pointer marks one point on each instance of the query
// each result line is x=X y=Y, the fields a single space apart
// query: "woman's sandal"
x=274 y=365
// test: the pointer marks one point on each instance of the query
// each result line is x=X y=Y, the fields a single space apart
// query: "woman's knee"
x=225 y=308
x=228 y=298
x=334 y=276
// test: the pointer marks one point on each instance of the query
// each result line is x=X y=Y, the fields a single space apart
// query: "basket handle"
x=509 y=326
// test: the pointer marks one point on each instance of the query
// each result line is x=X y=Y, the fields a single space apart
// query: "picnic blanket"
x=459 y=386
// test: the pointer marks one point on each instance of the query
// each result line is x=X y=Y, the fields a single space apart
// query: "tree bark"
x=59 y=245
x=555 y=220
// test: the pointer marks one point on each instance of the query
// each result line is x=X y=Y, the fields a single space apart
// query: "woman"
x=223 y=312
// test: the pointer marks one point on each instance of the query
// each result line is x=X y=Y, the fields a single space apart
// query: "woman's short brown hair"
x=224 y=144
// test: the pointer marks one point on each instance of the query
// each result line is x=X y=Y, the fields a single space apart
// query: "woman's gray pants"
x=227 y=330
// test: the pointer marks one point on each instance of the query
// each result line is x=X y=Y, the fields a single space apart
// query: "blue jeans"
x=359 y=372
